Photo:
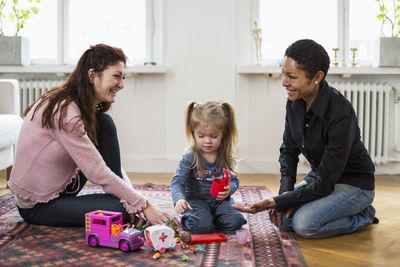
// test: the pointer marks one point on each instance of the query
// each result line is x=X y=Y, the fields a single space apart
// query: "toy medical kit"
x=208 y=238
x=160 y=237
x=219 y=184
x=104 y=228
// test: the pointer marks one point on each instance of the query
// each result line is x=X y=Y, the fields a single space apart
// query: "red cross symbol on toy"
x=163 y=237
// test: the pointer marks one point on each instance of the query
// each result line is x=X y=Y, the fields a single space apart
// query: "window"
x=364 y=29
x=343 y=24
x=41 y=29
x=64 y=29
x=283 y=22
x=99 y=222
x=116 y=219
x=120 y=23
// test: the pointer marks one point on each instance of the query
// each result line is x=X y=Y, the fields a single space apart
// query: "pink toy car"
x=104 y=228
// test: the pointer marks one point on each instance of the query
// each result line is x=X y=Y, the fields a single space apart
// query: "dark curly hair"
x=310 y=57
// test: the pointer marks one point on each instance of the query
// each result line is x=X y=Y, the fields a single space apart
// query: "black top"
x=327 y=134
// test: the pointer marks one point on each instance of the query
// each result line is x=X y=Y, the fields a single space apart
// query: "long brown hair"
x=220 y=115
x=80 y=90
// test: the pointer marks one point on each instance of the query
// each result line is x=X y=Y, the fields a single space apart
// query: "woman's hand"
x=181 y=205
x=224 y=194
x=265 y=204
x=155 y=215
x=276 y=217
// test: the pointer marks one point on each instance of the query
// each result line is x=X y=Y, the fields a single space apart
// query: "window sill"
x=346 y=72
x=62 y=70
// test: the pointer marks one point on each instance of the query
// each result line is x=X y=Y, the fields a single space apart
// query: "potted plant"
x=15 y=50
x=389 y=41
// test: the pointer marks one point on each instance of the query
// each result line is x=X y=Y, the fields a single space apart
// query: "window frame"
x=154 y=33
x=343 y=37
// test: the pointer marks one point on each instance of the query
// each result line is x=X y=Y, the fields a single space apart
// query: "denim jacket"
x=188 y=182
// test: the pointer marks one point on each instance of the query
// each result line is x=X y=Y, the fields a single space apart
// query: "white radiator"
x=32 y=89
x=371 y=102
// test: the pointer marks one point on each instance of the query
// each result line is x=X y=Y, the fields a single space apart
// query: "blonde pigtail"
x=230 y=139
x=188 y=124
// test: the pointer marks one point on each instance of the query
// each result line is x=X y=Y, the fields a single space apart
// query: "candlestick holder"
x=353 y=62
x=335 y=59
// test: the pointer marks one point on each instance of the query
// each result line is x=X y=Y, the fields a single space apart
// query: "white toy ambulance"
x=160 y=237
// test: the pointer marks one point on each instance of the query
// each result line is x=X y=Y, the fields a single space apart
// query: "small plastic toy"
x=104 y=228
x=208 y=238
x=186 y=258
x=241 y=236
x=160 y=237
x=200 y=249
x=156 y=256
x=219 y=184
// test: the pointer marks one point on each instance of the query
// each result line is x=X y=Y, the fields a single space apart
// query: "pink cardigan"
x=48 y=159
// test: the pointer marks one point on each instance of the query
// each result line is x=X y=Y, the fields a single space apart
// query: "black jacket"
x=329 y=137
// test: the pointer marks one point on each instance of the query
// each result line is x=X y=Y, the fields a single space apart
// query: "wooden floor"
x=376 y=245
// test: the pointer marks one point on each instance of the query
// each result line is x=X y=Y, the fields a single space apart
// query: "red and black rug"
x=22 y=244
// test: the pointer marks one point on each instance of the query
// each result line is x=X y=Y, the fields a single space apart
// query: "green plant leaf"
x=35 y=10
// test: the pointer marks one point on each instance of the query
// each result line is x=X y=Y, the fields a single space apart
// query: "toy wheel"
x=124 y=246
x=93 y=241
x=162 y=250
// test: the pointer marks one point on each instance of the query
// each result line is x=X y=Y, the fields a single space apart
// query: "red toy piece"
x=208 y=238
x=219 y=184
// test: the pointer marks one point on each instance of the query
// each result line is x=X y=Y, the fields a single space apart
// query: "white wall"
x=199 y=52
x=204 y=41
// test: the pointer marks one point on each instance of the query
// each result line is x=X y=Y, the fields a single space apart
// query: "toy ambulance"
x=160 y=237
x=104 y=228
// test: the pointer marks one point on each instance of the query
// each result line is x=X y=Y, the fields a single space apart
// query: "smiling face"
x=297 y=84
x=208 y=140
x=107 y=83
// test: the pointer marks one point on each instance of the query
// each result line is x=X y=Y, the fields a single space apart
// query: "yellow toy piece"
x=157 y=256
x=115 y=229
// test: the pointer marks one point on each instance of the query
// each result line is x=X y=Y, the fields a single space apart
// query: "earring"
x=316 y=82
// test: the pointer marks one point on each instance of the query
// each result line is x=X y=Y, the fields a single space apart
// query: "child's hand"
x=224 y=194
x=181 y=205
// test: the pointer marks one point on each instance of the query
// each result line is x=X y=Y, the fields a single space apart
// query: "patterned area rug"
x=22 y=244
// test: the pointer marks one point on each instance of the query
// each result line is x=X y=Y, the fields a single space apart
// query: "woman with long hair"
x=67 y=139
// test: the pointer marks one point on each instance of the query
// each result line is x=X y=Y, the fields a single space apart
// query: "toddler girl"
x=212 y=134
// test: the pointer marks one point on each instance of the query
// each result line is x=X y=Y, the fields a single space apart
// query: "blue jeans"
x=346 y=210
x=208 y=214
x=69 y=209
